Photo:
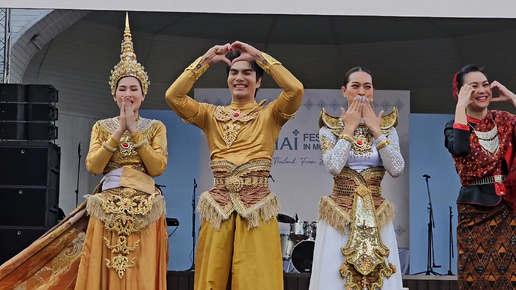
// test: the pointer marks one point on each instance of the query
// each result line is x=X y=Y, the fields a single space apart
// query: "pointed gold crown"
x=128 y=66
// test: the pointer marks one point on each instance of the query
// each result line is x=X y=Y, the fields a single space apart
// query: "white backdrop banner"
x=300 y=178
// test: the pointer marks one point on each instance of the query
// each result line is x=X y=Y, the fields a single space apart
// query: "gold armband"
x=189 y=120
x=347 y=138
x=382 y=144
x=287 y=116
x=196 y=68
x=267 y=62
x=108 y=148
x=141 y=144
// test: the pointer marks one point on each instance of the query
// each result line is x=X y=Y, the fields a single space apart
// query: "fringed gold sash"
x=243 y=189
x=124 y=211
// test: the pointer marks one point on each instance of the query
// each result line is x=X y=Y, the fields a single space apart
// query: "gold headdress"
x=128 y=66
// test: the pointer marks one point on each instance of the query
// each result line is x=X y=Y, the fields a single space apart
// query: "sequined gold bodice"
x=126 y=154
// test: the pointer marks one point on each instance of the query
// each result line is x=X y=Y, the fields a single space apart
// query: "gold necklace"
x=363 y=140
x=233 y=121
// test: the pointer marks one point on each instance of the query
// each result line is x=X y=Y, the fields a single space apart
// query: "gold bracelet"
x=382 y=144
x=267 y=62
x=141 y=144
x=108 y=148
x=347 y=137
x=287 y=116
x=196 y=68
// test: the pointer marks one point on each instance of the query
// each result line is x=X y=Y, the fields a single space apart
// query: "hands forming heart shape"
x=218 y=53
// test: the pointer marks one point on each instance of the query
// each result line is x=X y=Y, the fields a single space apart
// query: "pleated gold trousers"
x=251 y=257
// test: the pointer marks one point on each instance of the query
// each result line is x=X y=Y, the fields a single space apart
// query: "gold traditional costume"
x=356 y=207
x=117 y=239
x=239 y=230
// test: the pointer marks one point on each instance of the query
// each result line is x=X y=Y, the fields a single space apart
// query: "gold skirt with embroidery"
x=126 y=245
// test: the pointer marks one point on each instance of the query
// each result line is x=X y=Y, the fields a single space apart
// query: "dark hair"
x=466 y=70
x=139 y=82
x=458 y=78
x=353 y=70
x=254 y=66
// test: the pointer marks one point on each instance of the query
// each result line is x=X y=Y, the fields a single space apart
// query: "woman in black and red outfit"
x=480 y=141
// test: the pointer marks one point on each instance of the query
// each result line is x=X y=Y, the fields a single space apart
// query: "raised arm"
x=389 y=149
x=292 y=95
x=153 y=152
x=176 y=95
x=335 y=150
x=456 y=138
x=100 y=151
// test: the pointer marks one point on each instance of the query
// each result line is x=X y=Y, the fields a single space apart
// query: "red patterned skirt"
x=486 y=243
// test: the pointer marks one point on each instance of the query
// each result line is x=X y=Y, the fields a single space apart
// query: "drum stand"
x=450 y=253
x=430 y=254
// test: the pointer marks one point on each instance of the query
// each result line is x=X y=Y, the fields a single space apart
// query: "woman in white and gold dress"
x=356 y=245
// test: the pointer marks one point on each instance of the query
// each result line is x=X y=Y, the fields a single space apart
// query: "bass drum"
x=303 y=256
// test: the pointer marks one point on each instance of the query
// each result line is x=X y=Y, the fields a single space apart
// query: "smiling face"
x=242 y=82
x=482 y=93
x=129 y=88
x=360 y=84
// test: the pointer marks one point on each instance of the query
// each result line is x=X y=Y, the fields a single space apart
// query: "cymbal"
x=283 y=218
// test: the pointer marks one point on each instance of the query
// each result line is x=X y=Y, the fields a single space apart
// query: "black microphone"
x=426 y=176
x=270 y=176
x=79 y=149
x=194 y=183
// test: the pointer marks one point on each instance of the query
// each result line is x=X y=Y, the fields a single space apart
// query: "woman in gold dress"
x=118 y=238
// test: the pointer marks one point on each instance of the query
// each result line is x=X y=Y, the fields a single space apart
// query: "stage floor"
x=183 y=280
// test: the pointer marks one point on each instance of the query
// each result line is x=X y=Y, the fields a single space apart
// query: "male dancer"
x=239 y=232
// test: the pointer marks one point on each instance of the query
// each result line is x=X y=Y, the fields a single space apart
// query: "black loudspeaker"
x=30 y=131
x=30 y=207
x=28 y=112
x=16 y=93
x=29 y=193
x=29 y=164
x=13 y=241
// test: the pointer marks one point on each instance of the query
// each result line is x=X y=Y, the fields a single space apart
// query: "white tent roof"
x=428 y=8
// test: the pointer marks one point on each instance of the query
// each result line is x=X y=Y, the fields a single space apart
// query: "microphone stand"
x=193 y=226
x=450 y=254
x=430 y=254
x=78 y=174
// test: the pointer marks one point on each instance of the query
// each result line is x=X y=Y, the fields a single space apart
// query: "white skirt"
x=328 y=258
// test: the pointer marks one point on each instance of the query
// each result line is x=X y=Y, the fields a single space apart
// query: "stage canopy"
x=423 y=8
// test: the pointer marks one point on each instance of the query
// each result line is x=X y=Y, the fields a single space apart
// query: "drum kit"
x=297 y=246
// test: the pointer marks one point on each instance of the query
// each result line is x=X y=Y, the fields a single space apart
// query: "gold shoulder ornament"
x=362 y=139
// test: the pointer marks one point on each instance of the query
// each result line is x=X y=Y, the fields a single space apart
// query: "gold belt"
x=235 y=183
x=349 y=189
